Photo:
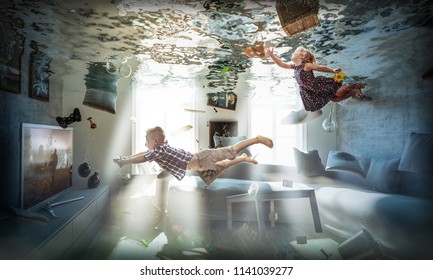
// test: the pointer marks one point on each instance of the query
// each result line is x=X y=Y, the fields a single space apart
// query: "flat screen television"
x=46 y=164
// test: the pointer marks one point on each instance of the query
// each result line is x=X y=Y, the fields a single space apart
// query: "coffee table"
x=289 y=193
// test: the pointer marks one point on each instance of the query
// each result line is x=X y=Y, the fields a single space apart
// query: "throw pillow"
x=383 y=175
x=417 y=154
x=309 y=163
x=102 y=100
x=101 y=88
x=342 y=161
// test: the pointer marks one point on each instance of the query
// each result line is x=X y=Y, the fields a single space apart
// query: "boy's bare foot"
x=265 y=141
x=246 y=158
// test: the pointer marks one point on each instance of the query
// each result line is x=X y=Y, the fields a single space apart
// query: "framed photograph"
x=39 y=76
x=11 y=49
x=224 y=100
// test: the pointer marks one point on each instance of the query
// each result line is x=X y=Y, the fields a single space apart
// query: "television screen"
x=46 y=163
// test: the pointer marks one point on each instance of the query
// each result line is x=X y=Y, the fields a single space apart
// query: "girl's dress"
x=315 y=92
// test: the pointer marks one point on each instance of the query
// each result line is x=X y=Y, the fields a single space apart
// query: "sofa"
x=391 y=199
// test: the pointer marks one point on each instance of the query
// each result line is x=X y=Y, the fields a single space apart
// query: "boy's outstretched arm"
x=132 y=159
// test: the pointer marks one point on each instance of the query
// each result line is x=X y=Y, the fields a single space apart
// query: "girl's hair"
x=308 y=55
x=157 y=133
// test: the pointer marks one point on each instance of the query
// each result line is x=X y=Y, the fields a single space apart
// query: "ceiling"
x=212 y=32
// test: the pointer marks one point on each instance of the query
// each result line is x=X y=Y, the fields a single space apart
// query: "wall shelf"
x=222 y=128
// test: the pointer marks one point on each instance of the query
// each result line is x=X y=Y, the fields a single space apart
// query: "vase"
x=84 y=169
x=93 y=181
x=330 y=124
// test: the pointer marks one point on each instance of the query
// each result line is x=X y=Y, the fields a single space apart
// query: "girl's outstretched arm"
x=277 y=60
x=320 y=68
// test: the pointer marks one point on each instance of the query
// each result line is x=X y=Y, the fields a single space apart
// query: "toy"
x=224 y=70
x=65 y=121
x=257 y=49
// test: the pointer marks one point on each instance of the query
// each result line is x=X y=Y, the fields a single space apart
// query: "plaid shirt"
x=174 y=160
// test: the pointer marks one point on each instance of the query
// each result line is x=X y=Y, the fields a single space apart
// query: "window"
x=161 y=94
x=274 y=95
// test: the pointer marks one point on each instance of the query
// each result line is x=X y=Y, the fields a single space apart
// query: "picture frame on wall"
x=11 y=50
x=39 y=76
x=224 y=100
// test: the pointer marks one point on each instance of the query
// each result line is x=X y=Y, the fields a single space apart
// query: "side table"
x=271 y=197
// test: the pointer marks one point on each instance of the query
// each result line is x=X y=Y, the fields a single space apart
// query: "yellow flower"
x=339 y=77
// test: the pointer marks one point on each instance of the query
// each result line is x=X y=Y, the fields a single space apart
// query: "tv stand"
x=50 y=205
x=27 y=214
x=66 y=237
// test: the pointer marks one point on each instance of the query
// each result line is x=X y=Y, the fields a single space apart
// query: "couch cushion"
x=309 y=163
x=418 y=154
x=396 y=221
x=259 y=172
x=383 y=175
x=414 y=184
x=342 y=161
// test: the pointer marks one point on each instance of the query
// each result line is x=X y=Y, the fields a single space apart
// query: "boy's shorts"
x=208 y=157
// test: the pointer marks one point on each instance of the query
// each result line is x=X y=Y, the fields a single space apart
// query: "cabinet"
x=65 y=237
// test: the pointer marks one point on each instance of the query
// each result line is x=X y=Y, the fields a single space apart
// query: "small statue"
x=92 y=124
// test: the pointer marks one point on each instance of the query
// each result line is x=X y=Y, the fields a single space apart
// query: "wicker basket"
x=297 y=15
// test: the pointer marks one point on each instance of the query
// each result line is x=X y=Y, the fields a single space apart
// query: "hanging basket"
x=297 y=15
